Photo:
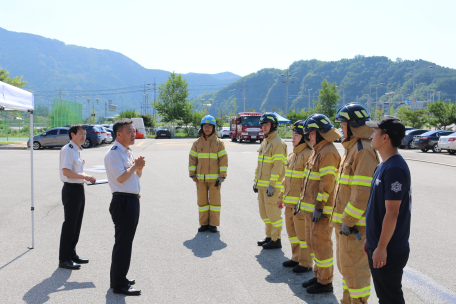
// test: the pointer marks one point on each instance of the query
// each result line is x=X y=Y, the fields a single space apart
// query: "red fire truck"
x=246 y=126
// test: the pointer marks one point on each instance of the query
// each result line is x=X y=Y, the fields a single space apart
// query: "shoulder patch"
x=114 y=147
x=360 y=145
x=71 y=146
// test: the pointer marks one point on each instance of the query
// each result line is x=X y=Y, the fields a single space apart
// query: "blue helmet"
x=318 y=122
x=208 y=119
x=269 y=117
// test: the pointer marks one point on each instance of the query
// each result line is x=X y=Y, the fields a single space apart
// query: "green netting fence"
x=65 y=112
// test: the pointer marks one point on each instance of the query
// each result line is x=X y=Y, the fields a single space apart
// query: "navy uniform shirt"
x=391 y=181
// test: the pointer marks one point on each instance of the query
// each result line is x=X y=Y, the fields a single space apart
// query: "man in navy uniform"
x=123 y=171
x=73 y=199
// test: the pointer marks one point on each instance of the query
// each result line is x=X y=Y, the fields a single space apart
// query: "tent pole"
x=31 y=163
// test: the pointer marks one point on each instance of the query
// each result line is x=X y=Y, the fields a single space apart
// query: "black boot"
x=203 y=228
x=213 y=229
x=265 y=241
x=320 y=288
x=290 y=263
x=273 y=245
x=309 y=283
x=301 y=269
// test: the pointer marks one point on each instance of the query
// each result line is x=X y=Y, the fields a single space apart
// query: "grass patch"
x=9 y=142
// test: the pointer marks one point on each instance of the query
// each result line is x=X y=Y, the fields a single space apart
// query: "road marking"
x=430 y=162
x=140 y=143
x=426 y=287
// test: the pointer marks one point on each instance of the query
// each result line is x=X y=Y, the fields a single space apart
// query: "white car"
x=448 y=143
x=103 y=133
x=225 y=132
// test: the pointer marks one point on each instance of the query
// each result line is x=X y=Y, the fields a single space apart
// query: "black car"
x=408 y=139
x=163 y=132
x=93 y=137
x=429 y=140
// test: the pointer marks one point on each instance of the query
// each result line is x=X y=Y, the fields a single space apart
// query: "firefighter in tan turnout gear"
x=208 y=164
x=268 y=180
x=316 y=199
x=301 y=261
x=350 y=202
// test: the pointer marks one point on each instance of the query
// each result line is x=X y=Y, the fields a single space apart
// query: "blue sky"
x=243 y=36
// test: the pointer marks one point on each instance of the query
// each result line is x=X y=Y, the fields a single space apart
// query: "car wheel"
x=424 y=150
x=36 y=145
x=261 y=141
x=436 y=149
x=87 y=143
x=409 y=145
x=452 y=152
x=233 y=139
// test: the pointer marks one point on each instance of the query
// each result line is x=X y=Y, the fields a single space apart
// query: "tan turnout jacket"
x=294 y=173
x=354 y=180
x=208 y=159
x=271 y=161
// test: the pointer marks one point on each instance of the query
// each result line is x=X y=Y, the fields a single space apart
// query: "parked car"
x=93 y=136
x=429 y=140
x=56 y=137
x=409 y=128
x=111 y=133
x=225 y=132
x=448 y=143
x=163 y=132
x=408 y=139
x=103 y=134
x=108 y=137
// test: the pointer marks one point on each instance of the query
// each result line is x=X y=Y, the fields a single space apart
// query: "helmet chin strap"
x=349 y=132
x=318 y=138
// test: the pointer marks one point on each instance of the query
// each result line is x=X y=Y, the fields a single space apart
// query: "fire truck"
x=246 y=127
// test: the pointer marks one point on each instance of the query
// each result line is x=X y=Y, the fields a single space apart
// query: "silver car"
x=56 y=137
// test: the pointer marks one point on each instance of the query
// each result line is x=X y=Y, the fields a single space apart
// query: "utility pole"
x=308 y=93
x=286 y=81
x=155 y=96
x=243 y=90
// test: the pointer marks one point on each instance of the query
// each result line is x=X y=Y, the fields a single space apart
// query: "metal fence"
x=65 y=112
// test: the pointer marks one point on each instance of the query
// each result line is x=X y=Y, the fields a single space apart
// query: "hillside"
x=358 y=78
x=49 y=65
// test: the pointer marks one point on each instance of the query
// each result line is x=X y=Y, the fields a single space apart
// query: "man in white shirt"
x=73 y=198
x=123 y=172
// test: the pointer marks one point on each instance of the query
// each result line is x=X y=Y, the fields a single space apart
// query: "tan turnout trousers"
x=296 y=230
x=270 y=214
x=209 y=203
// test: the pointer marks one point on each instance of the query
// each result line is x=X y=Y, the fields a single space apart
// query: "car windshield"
x=162 y=128
x=252 y=121
x=452 y=134
x=226 y=128
x=429 y=133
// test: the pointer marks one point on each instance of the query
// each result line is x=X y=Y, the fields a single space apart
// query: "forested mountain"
x=356 y=78
x=49 y=65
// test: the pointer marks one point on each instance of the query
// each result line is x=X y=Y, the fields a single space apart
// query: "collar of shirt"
x=122 y=148
x=75 y=145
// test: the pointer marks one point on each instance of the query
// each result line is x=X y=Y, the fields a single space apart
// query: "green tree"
x=250 y=109
x=416 y=119
x=172 y=98
x=129 y=114
x=294 y=116
x=148 y=121
x=444 y=114
x=16 y=81
x=233 y=111
x=327 y=99
x=377 y=114
x=188 y=117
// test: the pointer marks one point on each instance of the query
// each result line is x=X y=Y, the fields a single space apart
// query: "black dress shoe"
x=213 y=229
x=130 y=281
x=69 y=265
x=203 y=228
x=309 y=283
x=320 y=288
x=128 y=291
x=273 y=244
x=290 y=263
x=262 y=242
x=301 y=269
x=80 y=261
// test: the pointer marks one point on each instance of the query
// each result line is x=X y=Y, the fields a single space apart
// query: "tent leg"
x=31 y=163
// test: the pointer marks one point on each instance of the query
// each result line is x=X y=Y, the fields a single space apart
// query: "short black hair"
x=395 y=142
x=119 y=124
x=74 y=129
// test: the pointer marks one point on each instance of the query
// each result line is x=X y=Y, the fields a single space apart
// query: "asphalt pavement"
x=171 y=261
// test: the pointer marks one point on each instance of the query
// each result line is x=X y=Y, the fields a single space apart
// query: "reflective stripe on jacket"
x=271 y=162
x=320 y=178
x=294 y=173
x=208 y=159
x=354 y=182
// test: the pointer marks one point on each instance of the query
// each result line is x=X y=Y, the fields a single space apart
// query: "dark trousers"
x=388 y=279
x=125 y=215
x=73 y=200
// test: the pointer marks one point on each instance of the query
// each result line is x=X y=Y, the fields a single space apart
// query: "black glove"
x=346 y=230
x=317 y=215
x=255 y=189
x=219 y=181
x=270 y=190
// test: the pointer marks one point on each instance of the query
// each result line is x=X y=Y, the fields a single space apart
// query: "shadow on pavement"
x=272 y=260
x=40 y=293
x=111 y=297
x=15 y=259
x=204 y=243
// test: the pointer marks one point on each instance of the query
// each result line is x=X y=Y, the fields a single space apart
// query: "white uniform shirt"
x=70 y=158
x=117 y=161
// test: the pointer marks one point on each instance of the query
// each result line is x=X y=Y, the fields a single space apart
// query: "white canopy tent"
x=11 y=99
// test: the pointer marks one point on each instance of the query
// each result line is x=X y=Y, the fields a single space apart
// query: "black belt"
x=127 y=194
x=73 y=183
